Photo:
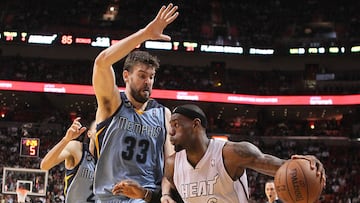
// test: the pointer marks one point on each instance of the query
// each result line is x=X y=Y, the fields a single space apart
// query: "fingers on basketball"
x=296 y=182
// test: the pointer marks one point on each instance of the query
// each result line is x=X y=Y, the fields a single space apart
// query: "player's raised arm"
x=65 y=149
x=104 y=83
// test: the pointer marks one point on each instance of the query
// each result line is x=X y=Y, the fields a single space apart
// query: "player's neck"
x=196 y=153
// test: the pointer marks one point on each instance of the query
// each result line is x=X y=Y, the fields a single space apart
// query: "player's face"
x=140 y=81
x=180 y=131
x=270 y=190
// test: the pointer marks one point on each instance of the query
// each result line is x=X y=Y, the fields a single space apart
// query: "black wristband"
x=156 y=195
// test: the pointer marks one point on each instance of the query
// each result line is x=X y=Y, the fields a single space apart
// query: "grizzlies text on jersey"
x=130 y=146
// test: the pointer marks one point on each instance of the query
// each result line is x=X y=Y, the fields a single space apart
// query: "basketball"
x=295 y=182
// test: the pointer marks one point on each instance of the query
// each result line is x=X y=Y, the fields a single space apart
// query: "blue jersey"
x=79 y=181
x=130 y=145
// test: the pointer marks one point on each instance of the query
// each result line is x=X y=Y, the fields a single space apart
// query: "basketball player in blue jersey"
x=79 y=163
x=212 y=170
x=132 y=128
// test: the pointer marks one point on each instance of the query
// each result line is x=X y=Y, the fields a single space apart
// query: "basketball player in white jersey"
x=79 y=163
x=211 y=170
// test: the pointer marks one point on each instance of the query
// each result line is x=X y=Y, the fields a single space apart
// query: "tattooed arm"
x=241 y=155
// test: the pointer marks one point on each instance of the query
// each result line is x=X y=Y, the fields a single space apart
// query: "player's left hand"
x=315 y=163
x=75 y=130
x=166 y=15
x=130 y=189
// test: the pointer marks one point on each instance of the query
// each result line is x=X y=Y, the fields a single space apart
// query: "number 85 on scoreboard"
x=29 y=147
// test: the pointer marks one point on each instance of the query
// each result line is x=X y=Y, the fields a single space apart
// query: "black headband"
x=191 y=114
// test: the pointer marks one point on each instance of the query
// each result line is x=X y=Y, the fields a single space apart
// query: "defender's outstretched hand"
x=75 y=130
x=129 y=188
x=165 y=16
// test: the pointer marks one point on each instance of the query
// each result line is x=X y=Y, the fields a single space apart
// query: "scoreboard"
x=29 y=147
x=103 y=41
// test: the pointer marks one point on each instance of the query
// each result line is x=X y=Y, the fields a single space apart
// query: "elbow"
x=100 y=60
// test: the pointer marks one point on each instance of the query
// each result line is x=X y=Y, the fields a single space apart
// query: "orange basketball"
x=295 y=182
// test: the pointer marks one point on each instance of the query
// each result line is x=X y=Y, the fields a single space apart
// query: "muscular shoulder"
x=240 y=153
x=242 y=149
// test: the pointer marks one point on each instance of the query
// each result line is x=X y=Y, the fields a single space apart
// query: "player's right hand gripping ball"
x=295 y=182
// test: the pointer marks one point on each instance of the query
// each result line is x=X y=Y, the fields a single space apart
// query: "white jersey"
x=209 y=181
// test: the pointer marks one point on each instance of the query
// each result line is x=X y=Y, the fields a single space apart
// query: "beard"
x=178 y=148
x=139 y=97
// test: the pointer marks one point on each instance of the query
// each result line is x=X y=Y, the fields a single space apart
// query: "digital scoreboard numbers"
x=29 y=147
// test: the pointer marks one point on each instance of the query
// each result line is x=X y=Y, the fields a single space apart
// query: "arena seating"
x=261 y=23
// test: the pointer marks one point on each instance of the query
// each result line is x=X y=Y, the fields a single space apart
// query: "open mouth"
x=146 y=91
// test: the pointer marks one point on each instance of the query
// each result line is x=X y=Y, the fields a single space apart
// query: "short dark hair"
x=270 y=181
x=192 y=111
x=144 y=57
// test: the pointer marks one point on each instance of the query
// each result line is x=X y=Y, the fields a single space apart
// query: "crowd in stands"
x=343 y=166
x=343 y=176
x=196 y=79
x=10 y=157
x=222 y=22
x=204 y=78
x=262 y=23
